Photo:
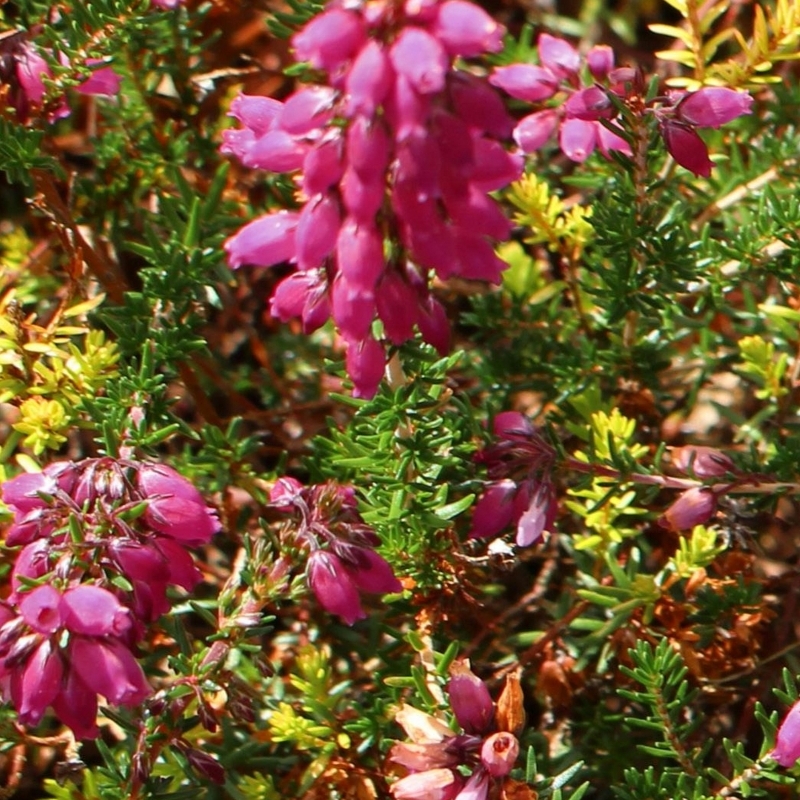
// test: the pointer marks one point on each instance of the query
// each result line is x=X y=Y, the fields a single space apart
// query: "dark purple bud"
x=686 y=147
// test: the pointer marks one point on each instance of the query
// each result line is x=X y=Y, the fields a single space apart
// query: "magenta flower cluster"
x=101 y=541
x=585 y=113
x=520 y=492
x=560 y=72
x=23 y=70
x=437 y=757
x=342 y=560
x=396 y=154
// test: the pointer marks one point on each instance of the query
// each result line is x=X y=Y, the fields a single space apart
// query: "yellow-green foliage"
x=46 y=370
x=763 y=368
x=776 y=38
x=563 y=230
x=697 y=550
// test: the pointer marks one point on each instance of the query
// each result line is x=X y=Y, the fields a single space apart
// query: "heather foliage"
x=399 y=399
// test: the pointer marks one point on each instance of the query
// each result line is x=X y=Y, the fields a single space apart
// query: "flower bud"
x=694 y=507
x=704 y=462
x=469 y=698
x=499 y=753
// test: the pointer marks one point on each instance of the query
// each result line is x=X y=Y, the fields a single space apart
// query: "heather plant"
x=399 y=399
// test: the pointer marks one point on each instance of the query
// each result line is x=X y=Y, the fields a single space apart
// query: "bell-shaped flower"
x=370 y=571
x=559 y=56
x=480 y=106
x=94 y=611
x=704 y=462
x=368 y=80
x=495 y=510
x=787 y=746
x=686 y=147
x=264 y=242
x=109 y=669
x=398 y=307
x=306 y=110
x=533 y=131
x=600 y=60
x=713 y=106
x=539 y=515
x=470 y=699
x=433 y=784
x=526 y=81
x=694 y=507
x=421 y=59
x=365 y=361
x=466 y=30
x=41 y=608
x=35 y=687
x=499 y=753
x=317 y=229
x=330 y=39
x=175 y=507
x=333 y=586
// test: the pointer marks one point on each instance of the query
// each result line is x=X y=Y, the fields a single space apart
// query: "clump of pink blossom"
x=101 y=541
x=396 y=151
x=342 y=560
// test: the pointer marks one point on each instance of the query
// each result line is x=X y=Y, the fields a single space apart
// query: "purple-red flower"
x=520 y=491
x=413 y=156
x=342 y=562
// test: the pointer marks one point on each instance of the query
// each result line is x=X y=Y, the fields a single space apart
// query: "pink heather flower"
x=265 y=241
x=577 y=117
x=469 y=699
x=686 y=147
x=467 y=30
x=343 y=562
x=520 y=491
x=103 y=81
x=174 y=506
x=713 y=106
x=166 y=4
x=333 y=586
x=433 y=784
x=693 y=507
x=31 y=69
x=330 y=39
x=499 y=754
x=412 y=156
x=704 y=462
x=787 y=746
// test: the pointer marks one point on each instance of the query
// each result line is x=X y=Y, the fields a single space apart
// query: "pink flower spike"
x=533 y=131
x=94 y=611
x=577 y=139
x=368 y=80
x=525 y=82
x=499 y=753
x=466 y=30
x=787 y=746
x=686 y=147
x=41 y=608
x=330 y=39
x=601 y=61
x=713 y=106
x=365 y=361
x=103 y=81
x=559 y=56
x=432 y=784
x=264 y=242
x=333 y=587
x=470 y=699
x=421 y=59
